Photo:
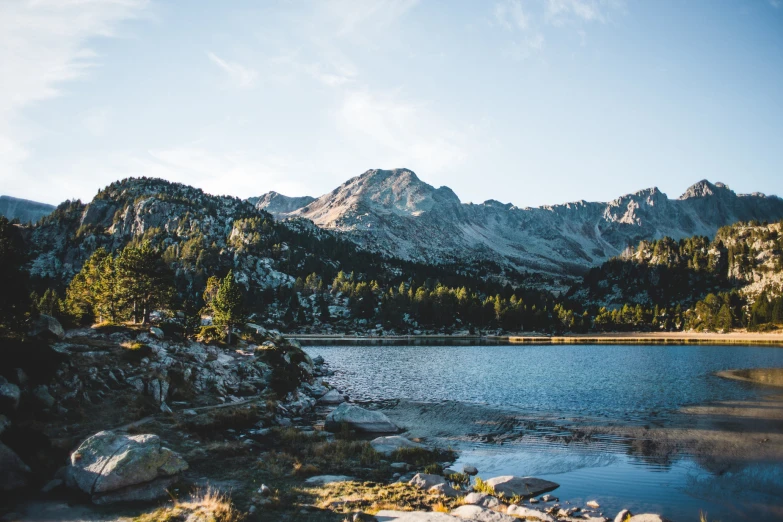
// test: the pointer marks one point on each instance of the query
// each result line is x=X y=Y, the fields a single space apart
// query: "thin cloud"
x=510 y=15
x=241 y=76
x=44 y=45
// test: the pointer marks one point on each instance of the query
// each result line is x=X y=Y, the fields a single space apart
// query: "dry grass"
x=370 y=497
x=208 y=506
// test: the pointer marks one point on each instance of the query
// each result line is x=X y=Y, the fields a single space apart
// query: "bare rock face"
x=523 y=486
x=112 y=462
x=394 y=212
x=359 y=419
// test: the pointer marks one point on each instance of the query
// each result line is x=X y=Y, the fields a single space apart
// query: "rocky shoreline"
x=136 y=424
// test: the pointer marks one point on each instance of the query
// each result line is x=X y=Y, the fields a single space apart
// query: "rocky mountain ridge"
x=395 y=213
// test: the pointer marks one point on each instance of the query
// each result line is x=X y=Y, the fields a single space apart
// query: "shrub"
x=209 y=335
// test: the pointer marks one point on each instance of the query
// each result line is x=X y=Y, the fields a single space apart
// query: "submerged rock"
x=359 y=419
x=523 y=486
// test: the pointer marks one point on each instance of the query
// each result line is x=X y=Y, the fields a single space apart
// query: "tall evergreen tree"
x=228 y=306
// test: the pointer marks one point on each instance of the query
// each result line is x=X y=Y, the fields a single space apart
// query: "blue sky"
x=524 y=101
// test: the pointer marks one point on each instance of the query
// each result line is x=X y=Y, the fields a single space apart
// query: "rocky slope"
x=394 y=212
x=23 y=209
x=279 y=205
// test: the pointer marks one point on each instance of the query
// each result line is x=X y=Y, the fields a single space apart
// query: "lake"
x=630 y=426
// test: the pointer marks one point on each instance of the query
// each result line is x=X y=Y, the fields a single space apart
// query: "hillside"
x=395 y=213
x=24 y=210
x=287 y=270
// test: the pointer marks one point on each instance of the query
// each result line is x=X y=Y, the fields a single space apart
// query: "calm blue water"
x=618 y=385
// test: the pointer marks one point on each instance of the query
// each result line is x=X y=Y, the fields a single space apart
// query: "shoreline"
x=629 y=338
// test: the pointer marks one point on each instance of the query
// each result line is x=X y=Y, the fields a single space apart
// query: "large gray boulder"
x=110 y=462
x=359 y=419
x=14 y=473
x=527 y=513
x=388 y=445
x=46 y=326
x=481 y=514
x=510 y=485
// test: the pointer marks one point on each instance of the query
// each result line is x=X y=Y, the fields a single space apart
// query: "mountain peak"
x=704 y=188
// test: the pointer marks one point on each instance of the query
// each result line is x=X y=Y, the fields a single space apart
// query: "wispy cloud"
x=775 y=3
x=241 y=76
x=349 y=16
x=509 y=14
x=43 y=45
x=403 y=132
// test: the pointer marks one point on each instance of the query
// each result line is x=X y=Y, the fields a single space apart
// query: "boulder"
x=444 y=489
x=9 y=397
x=14 y=473
x=157 y=332
x=42 y=397
x=332 y=397
x=145 y=492
x=388 y=445
x=4 y=423
x=527 y=513
x=481 y=499
x=622 y=516
x=481 y=514
x=321 y=480
x=359 y=419
x=470 y=470
x=386 y=515
x=46 y=326
x=110 y=461
x=425 y=481
x=592 y=504
x=510 y=485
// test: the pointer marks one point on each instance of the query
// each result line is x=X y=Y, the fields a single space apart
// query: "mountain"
x=397 y=214
x=279 y=205
x=23 y=209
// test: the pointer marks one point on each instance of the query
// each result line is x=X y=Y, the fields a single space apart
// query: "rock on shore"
x=359 y=419
x=113 y=467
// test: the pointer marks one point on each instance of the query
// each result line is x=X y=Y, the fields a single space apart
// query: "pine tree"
x=228 y=305
x=143 y=281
